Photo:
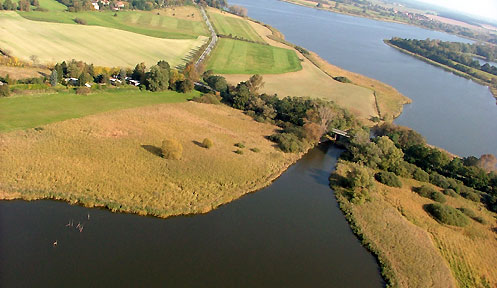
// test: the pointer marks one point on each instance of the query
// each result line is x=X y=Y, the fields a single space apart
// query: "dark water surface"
x=291 y=234
x=450 y=111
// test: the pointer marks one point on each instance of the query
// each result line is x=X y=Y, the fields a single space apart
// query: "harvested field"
x=53 y=42
x=22 y=72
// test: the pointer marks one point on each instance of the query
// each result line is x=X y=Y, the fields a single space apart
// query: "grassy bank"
x=493 y=89
x=161 y=23
x=55 y=42
x=414 y=249
x=29 y=111
x=113 y=160
x=228 y=24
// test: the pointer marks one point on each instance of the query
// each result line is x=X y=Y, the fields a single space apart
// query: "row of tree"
x=158 y=78
x=22 y=5
x=449 y=52
x=303 y=121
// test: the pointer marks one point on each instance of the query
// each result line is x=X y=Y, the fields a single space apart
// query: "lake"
x=452 y=112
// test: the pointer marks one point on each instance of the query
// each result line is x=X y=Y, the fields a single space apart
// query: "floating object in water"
x=79 y=225
x=81 y=229
x=55 y=243
x=88 y=215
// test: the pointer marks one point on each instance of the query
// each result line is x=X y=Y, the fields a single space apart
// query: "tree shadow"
x=198 y=144
x=153 y=149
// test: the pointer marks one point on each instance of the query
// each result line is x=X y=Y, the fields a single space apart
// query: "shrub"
x=480 y=220
x=171 y=149
x=430 y=193
x=288 y=142
x=420 y=175
x=238 y=151
x=468 y=212
x=80 y=21
x=361 y=181
x=208 y=99
x=439 y=180
x=447 y=215
x=83 y=90
x=404 y=169
x=207 y=143
x=256 y=150
x=4 y=90
x=388 y=178
x=450 y=192
x=342 y=79
x=471 y=195
x=240 y=145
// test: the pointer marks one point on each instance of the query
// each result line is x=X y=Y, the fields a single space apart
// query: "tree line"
x=303 y=121
x=404 y=153
x=453 y=54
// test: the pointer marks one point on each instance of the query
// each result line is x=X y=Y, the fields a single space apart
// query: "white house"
x=95 y=5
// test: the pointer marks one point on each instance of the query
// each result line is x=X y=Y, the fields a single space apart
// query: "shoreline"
x=378 y=19
x=493 y=90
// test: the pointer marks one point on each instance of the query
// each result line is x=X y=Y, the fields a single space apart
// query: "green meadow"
x=142 y=22
x=29 y=111
x=229 y=25
x=241 y=57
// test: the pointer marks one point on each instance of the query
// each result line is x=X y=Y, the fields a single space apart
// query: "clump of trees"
x=4 y=90
x=171 y=149
x=447 y=215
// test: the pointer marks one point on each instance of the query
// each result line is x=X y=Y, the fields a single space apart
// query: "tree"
x=4 y=90
x=255 y=83
x=391 y=156
x=217 y=83
x=24 y=5
x=54 y=78
x=164 y=65
x=84 y=78
x=139 y=73
x=171 y=149
x=122 y=75
x=185 y=86
x=157 y=79
x=9 y=5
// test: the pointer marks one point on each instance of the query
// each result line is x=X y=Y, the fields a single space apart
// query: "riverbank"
x=493 y=89
x=413 y=249
x=112 y=160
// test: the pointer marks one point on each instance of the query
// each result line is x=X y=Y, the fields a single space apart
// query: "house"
x=134 y=82
x=115 y=81
x=95 y=5
x=120 y=4
x=71 y=81
x=87 y=85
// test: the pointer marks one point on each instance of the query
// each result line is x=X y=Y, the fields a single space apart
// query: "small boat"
x=55 y=243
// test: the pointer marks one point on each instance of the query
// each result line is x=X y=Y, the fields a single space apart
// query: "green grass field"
x=34 y=110
x=227 y=24
x=52 y=5
x=240 y=57
x=142 y=22
x=55 y=42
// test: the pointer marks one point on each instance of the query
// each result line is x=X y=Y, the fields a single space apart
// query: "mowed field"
x=52 y=5
x=112 y=159
x=228 y=24
x=417 y=250
x=185 y=24
x=29 y=111
x=54 y=42
x=241 y=57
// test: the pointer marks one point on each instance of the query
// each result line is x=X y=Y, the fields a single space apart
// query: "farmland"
x=395 y=225
x=151 y=23
x=29 y=111
x=113 y=160
x=228 y=24
x=241 y=57
x=54 y=42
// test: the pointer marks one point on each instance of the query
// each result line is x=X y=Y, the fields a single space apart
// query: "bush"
x=207 y=143
x=238 y=151
x=256 y=150
x=404 y=169
x=471 y=196
x=80 y=21
x=447 y=215
x=208 y=99
x=450 y=192
x=4 y=90
x=430 y=193
x=240 y=145
x=388 y=178
x=468 y=212
x=171 y=149
x=342 y=79
x=83 y=90
x=288 y=142
x=439 y=180
x=420 y=175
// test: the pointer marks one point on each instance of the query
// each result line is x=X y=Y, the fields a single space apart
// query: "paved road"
x=211 y=45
